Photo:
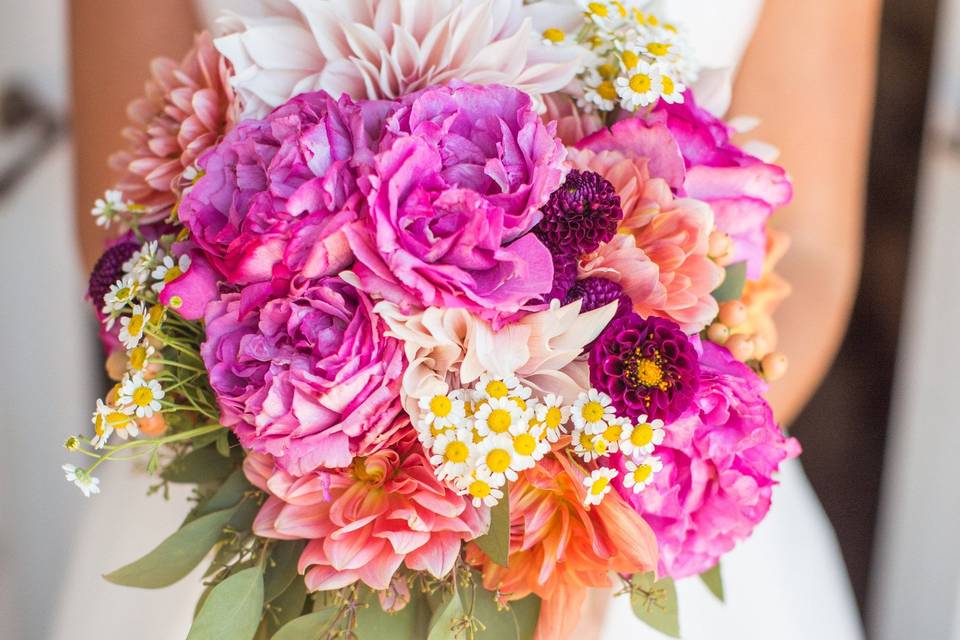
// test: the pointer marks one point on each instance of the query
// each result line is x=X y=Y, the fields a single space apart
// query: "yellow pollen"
x=520 y=402
x=117 y=419
x=135 y=326
x=479 y=489
x=668 y=85
x=639 y=17
x=613 y=433
x=606 y=90
x=600 y=446
x=652 y=20
x=499 y=420
x=630 y=59
x=669 y=27
x=156 y=314
x=600 y=485
x=592 y=411
x=642 y=435
x=622 y=10
x=586 y=441
x=554 y=417
x=642 y=474
x=125 y=293
x=497 y=389
x=441 y=406
x=642 y=371
x=142 y=397
x=456 y=452
x=554 y=35
x=658 y=48
x=172 y=274
x=498 y=460
x=525 y=444
x=607 y=71
x=641 y=82
x=138 y=358
x=599 y=9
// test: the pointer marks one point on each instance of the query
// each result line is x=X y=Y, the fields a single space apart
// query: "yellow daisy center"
x=135 y=326
x=592 y=411
x=125 y=293
x=607 y=71
x=479 y=489
x=606 y=90
x=441 y=406
x=98 y=425
x=658 y=48
x=497 y=389
x=172 y=274
x=156 y=314
x=586 y=441
x=499 y=420
x=554 y=417
x=600 y=446
x=600 y=485
x=117 y=419
x=498 y=460
x=138 y=358
x=630 y=59
x=642 y=435
x=622 y=10
x=143 y=396
x=641 y=82
x=613 y=433
x=668 y=85
x=554 y=35
x=520 y=402
x=598 y=9
x=525 y=444
x=456 y=452
x=642 y=473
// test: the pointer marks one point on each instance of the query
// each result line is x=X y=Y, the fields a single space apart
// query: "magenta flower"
x=276 y=192
x=647 y=366
x=456 y=186
x=718 y=464
x=308 y=375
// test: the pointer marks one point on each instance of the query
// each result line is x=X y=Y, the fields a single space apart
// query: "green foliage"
x=232 y=610
x=312 y=626
x=200 y=466
x=714 y=581
x=445 y=619
x=410 y=623
x=655 y=602
x=282 y=567
x=288 y=606
x=733 y=283
x=496 y=541
x=516 y=621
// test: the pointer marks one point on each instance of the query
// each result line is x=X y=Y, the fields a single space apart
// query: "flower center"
x=441 y=406
x=598 y=9
x=138 y=358
x=630 y=59
x=606 y=90
x=117 y=419
x=554 y=417
x=499 y=420
x=668 y=86
x=554 y=35
x=608 y=71
x=497 y=389
x=498 y=460
x=612 y=433
x=658 y=48
x=592 y=412
x=640 y=82
x=456 y=452
x=586 y=441
x=136 y=325
x=642 y=435
x=642 y=474
x=479 y=489
x=600 y=485
x=142 y=397
x=525 y=444
x=172 y=274
x=641 y=371
x=364 y=473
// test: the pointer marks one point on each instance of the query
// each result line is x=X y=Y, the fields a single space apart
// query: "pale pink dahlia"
x=387 y=49
x=186 y=109
x=364 y=522
x=719 y=459
x=659 y=256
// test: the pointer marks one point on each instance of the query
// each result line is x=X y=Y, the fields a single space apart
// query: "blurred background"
x=881 y=436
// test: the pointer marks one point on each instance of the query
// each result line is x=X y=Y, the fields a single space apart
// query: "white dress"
x=787 y=581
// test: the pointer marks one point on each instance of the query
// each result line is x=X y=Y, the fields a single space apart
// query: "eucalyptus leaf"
x=176 y=556
x=517 y=621
x=496 y=541
x=714 y=581
x=655 y=602
x=733 y=283
x=445 y=617
x=373 y=623
x=228 y=495
x=282 y=567
x=232 y=610
x=289 y=604
x=223 y=444
x=198 y=467
x=309 y=627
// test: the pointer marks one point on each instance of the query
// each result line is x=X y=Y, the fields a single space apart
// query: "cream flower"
x=495 y=456
x=639 y=476
x=641 y=439
x=553 y=415
x=443 y=410
x=84 y=481
x=482 y=488
x=169 y=270
x=497 y=415
x=452 y=451
x=598 y=485
x=593 y=412
x=386 y=48
x=142 y=395
x=108 y=420
x=132 y=327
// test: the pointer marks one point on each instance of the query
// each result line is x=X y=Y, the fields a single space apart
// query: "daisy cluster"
x=633 y=58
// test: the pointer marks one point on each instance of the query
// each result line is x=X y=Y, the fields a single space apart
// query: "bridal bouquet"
x=449 y=310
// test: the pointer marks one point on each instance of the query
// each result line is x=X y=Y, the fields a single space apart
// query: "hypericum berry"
x=581 y=215
x=109 y=269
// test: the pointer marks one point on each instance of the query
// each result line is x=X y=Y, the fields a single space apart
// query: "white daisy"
x=495 y=387
x=443 y=410
x=84 y=481
x=452 y=451
x=142 y=395
x=142 y=261
x=106 y=209
x=169 y=270
x=497 y=415
x=138 y=358
x=586 y=446
x=639 y=476
x=641 y=439
x=611 y=435
x=641 y=87
x=494 y=455
x=108 y=420
x=592 y=411
x=528 y=448
x=598 y=485
x=599 y=93
x=483 y=489
x=553 y=415
x=132 y=326
x=121 y=293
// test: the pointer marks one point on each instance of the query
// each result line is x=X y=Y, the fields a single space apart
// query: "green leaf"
x=733 y=283
x=373 y=623
x=289 y=604
x=228 y=495
x=233 y=609
x=655 y=602
x=176 y=556
x=714 y=581
x=308 y=627
x=445 y=617
x=518 y=621
x=198 y=467
x=282 y=567
x=223 y=444
x=496 y=541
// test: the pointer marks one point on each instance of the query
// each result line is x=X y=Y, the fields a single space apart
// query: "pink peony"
x=308 y=375
x=718 y=464
x=455 y=188
x=660 y=255
x=742 y=190
x=277 y=192
x=187 y=108
x=364 y=522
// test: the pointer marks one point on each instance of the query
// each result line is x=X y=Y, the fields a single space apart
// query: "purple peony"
x=455 y=188
x=277 y=192
x=718 y=464
x=648 y=366
x=308 y=375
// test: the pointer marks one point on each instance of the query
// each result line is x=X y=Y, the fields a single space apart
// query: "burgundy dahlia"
x=647 y=366
x=581 y=215
x=599 y=292
x=108 y=270
x=564 y=276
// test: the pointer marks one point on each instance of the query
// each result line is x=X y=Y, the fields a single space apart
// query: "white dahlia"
x=386 y=48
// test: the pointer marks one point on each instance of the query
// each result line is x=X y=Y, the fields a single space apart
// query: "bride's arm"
x=112 y=43
x=809 y=74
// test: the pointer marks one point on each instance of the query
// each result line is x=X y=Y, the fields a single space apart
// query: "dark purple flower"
x=599 y=292
x=564 y=276
x=108 y=270
x=581 y=215
x=648 y=366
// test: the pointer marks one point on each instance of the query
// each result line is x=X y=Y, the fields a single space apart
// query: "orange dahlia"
x=559 y=548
